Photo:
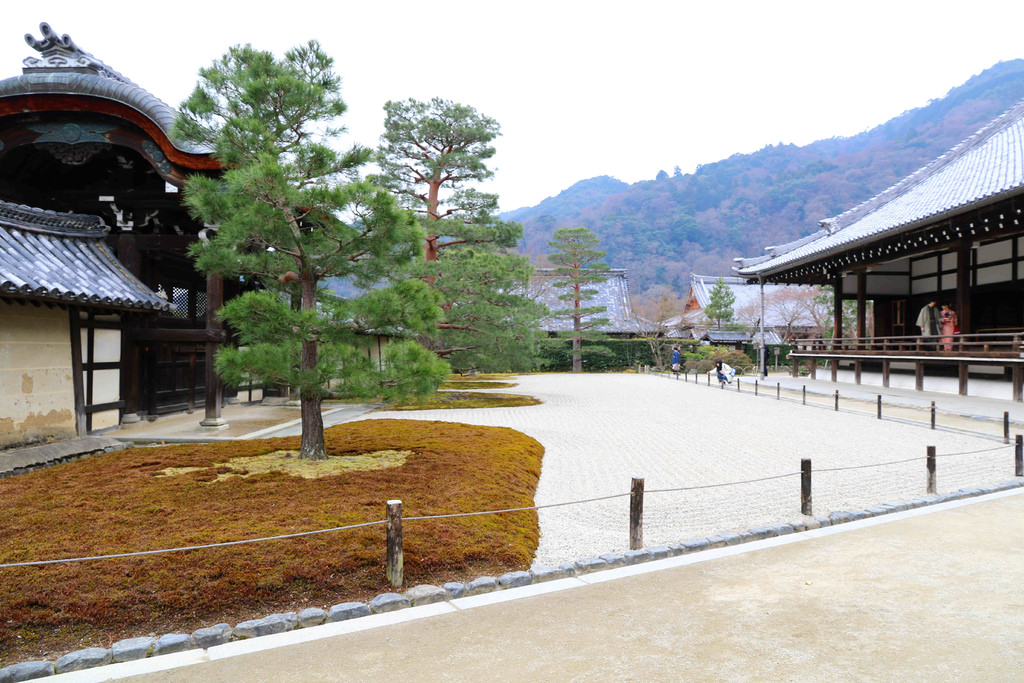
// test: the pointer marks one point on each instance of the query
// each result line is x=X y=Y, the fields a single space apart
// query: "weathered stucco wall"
x=106 y=384
x=37 y=400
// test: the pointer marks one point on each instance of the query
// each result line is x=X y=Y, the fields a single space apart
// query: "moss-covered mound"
x=125 y=501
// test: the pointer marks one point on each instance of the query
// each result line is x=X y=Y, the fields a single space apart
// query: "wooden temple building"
x=951 y=232
x=104 y=318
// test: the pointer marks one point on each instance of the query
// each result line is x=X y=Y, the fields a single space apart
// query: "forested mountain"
x=663 y=229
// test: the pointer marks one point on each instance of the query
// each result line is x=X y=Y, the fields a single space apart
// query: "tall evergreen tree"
x=720 y=303
x=579 y=264
x=291 y=212
x=431 y=155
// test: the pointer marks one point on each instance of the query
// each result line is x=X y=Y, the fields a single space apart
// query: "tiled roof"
x=63 y=258
x=65 y=69
x=613 y=294
x=748 y=294
x=733 y=336
x=984 y=168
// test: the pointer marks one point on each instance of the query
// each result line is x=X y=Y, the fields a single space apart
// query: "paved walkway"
x=930 y=594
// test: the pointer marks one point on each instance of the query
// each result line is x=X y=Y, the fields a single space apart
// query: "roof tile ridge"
x=978 y=138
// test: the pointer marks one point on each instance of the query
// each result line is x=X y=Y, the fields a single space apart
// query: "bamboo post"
x=394 y=567
x=636 y=514
x=879 y=406
x=933 y=414
x=931 y=469
x=1018 y=457
x=805 y=486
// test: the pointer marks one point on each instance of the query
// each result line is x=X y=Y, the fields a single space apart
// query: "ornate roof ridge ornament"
x=60 y=53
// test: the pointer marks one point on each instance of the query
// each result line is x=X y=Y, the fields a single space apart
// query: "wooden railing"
x=991 y=345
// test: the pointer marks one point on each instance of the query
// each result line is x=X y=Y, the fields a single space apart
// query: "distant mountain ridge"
x=662 y=230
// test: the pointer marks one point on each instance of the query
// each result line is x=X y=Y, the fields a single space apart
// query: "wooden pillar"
x=77 y=386
x=834 y=367
x=813 y=368
x=862 y=282
x=963 y=286
x=885 y=373
x=837 y=307
x=962 y=377
x=130 y=366
x=919 y=375
x=214 y=388
x=1018 y=382
x=856 y=371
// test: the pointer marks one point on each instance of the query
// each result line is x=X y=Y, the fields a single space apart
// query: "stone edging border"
x=139 y=648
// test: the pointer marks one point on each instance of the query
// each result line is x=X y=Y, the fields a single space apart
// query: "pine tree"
x=291 y=212
x=431 y=155
x=721 y=300
x=579 y=264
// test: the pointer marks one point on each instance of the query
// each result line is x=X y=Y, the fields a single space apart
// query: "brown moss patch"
x=463 y=385
x=465 y=399
x=113 y=503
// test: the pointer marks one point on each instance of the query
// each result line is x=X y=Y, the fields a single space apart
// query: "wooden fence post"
x=778 y=391
x=755 y=387
x=805 y=395
x=879 y=406
x=931 y=470
x=1006 y=427
x=933 y=414
x=1018 y=457
x=394 y=567
x=636 y=514
x=805 y=486
x=837 y=400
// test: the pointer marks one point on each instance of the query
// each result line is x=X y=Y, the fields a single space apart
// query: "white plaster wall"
x=37 y=401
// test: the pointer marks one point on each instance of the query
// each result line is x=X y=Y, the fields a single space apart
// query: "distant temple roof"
x=613 y=294
x=746 y=294
x=981 y=170
x=736 y=336
x=62 y=258
x=63 y=68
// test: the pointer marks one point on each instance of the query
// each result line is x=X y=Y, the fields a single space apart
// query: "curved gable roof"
x=64 y=69
x=982 y=169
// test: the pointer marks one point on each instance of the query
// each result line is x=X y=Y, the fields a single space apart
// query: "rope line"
x=861 y=467
x=185 y=548
x=714 y=486
x=496 y=512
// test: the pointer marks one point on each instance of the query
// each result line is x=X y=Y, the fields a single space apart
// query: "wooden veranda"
x=1003 y=351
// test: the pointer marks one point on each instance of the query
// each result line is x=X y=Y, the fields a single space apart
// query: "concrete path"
x=930 y=594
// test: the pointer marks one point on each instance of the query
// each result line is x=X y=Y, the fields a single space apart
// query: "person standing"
x=928 y=320
x=676 y=360
x=949 y=325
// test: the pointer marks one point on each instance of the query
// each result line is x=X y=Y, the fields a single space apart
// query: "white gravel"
x=600 y=430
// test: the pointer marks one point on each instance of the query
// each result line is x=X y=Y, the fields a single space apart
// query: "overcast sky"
x=580 y=89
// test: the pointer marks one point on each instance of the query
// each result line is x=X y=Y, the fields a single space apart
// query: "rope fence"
x=758 y=388
x=835 y=487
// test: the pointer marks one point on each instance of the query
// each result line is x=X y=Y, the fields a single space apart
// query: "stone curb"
x=139 y=648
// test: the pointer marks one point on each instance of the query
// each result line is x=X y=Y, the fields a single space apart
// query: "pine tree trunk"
x=577 y=354
x=312 y=447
